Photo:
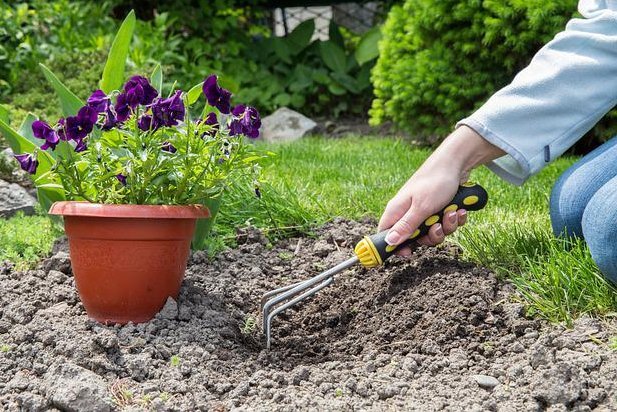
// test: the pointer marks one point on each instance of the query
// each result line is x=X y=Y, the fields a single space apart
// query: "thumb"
x=404 y=228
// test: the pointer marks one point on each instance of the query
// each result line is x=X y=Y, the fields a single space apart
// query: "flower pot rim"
x=82 y=208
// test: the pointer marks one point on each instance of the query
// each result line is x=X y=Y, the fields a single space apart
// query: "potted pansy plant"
x=135 y=168
x=131 y=169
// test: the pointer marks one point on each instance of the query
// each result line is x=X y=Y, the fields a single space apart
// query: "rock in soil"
x=285 y=125
x=428 y=333
x=14 y=198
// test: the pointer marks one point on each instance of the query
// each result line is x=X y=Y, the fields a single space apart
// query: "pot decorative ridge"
x=127 y=259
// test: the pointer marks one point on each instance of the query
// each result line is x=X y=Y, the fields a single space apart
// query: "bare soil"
x=427 y=333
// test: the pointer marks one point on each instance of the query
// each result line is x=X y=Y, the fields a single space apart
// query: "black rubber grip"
x=470 y=196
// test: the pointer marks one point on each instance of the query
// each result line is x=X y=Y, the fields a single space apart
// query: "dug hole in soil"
x=427 y=333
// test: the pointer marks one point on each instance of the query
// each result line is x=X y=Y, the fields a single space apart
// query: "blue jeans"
x=584 y=204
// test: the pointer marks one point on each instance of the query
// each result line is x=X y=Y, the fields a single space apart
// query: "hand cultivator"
x=371 y=251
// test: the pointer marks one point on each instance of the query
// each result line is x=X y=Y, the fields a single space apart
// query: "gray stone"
x=285 y=125
x=73 y=388
x=169 y=311
x=302 y=374
x=485 y=381
x=61 y=262
x=14 y=198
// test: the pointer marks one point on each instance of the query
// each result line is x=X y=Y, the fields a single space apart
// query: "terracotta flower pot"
x=127 y=259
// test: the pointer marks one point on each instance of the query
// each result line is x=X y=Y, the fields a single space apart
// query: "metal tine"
x=287 y=292
x=292 y=302
x=296 y=289
x=275 y=292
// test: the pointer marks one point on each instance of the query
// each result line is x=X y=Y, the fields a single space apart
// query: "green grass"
x=314 y=180
x=24 y=239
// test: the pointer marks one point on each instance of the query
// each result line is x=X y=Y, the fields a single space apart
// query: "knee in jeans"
x=600 y=231
x=566 y=207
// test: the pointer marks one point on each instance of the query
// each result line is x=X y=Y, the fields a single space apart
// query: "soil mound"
x=427 y=333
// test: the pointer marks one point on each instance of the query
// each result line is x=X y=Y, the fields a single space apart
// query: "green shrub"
x=323 y=78
x=37 y=30
x=440 y=59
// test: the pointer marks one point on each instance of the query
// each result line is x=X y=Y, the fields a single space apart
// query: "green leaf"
x=25 y=129
x=336 y=89
x=346 y=81
x=51 y=185
x=363 y=79
x=157 y=78
x=69 y=102
x=301 y=36
x=334 y=34
x=48 y=194
x=368 y=47
x=282 y=99
x=20 y=145
x=194 y=93
x=321 y=76
x=204 y=226
x=351 y=63
x=113 y=73
x=281 y=49
x=4 y=114
x=333 y=56
x=297 y=100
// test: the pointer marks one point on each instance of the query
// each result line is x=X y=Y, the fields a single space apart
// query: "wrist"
x=465 y=149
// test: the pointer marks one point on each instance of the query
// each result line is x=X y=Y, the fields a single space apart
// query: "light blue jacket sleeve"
x=566 y=89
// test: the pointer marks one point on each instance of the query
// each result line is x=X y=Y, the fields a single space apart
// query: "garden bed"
x=416 y=334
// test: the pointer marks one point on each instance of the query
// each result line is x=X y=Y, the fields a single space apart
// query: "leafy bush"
x=318 y=78
x=39 y=30
x=440 y=59
x=190 y=39
x=231 y=38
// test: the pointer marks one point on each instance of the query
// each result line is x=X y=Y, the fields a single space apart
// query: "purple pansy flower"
x=78 y=127
x=216 y=95
x=168 y=112
x=168 y=147
x=145 y=122
x=42 y=130
x=110 y=119
x=81 y=146
x=61 y=129
x=123 y=109
x=99 y=101
x=139 y=91
x=246 y=121
x=209 y=120
x=28 y=162
x=121 y=178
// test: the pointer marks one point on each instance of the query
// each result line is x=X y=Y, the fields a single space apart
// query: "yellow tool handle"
x=373 y=250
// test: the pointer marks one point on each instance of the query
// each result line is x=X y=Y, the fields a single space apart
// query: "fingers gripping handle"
x=373 y=250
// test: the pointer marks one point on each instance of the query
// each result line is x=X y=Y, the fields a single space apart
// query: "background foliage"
x=191 y=39
x=440 y=59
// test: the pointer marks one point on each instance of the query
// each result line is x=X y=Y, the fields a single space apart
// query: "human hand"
x=428 y=191
x=433 y=186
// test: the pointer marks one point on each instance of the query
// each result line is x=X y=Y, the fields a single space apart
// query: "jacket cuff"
x=513 y=167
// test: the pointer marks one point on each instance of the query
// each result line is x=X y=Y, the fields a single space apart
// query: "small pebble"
x=485 y=381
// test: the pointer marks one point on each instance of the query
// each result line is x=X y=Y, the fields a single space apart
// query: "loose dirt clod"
x=427 y=333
